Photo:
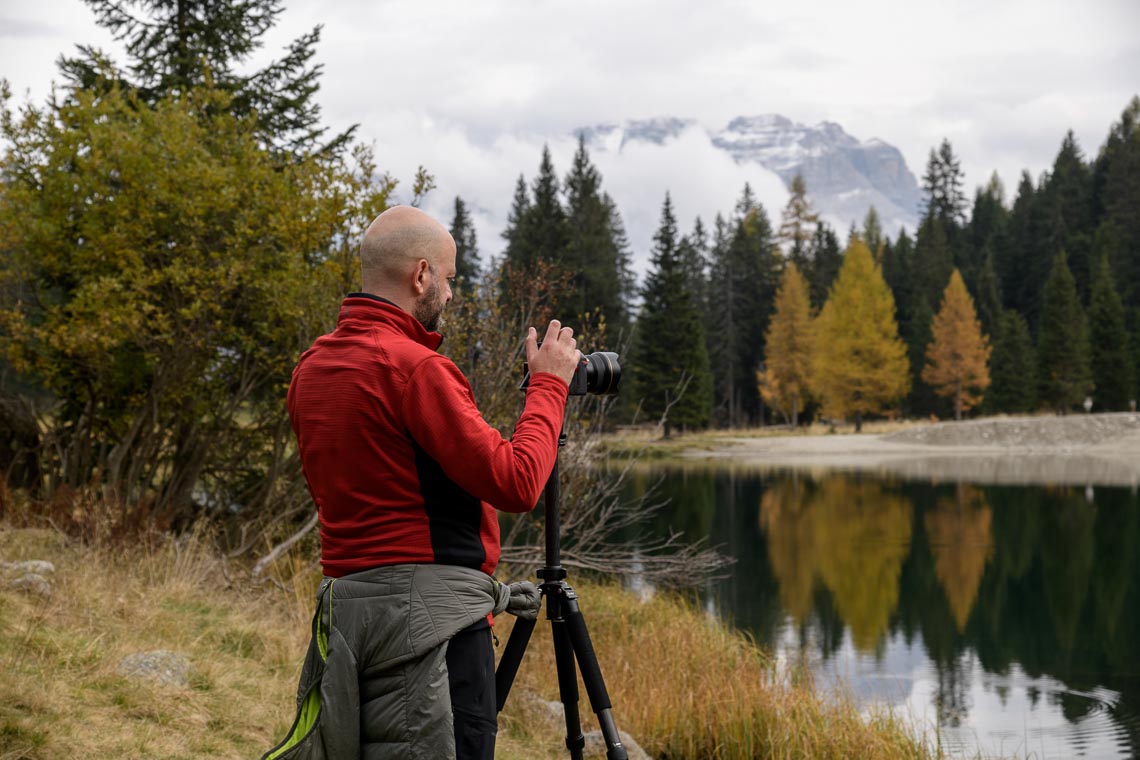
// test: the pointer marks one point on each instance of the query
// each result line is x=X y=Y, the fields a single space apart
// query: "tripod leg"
x=568 y=689
x=511 y=659
x=592 y=677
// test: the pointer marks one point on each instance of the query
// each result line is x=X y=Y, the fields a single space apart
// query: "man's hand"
x=558 y=355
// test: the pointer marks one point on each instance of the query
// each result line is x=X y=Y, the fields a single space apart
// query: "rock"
x=163 y=667
x=32 y=583
x=37 y=566
x=596 y=746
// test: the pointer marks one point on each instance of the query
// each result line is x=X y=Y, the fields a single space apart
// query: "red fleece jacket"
x=402 y=467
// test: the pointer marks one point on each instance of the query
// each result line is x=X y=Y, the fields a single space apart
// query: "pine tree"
x=933 y=259
x=671 y=373
x=1108 y=342
x=958 y=354
x=826 y=258
x=790 y=346
x=1013 y=367
x=593 y=255
x=1066 y=199
x=896 y=264
x=467 y=263
x=987 y=224
x=942 y=186
x=921 y=398
x=746 y=267
x=693 y=253
x=1063 y=375
x=516 y=253
x=988 y=293
x=175 y=45
x=545 y=227
x=860 y=363
x=873 y=233
x=1116 y=196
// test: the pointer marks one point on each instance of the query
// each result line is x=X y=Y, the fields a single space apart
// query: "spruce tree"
x=693 y=253
x=593 y=255
x=897 y=260
x=1108 y=342
x=942 y=186
x=1116 y=198
x=1022 y=266
x=467 y=263
x=757 y=265
x=873 y=233
x=1064 y=377
x=671 y=372
x=987 y=293
x=545 y=227
x=1013 y=367
x=516 y=252
x=933 y=259
x=986 y=225
x=1066 y=199
x=826 y=258
x=175 y=45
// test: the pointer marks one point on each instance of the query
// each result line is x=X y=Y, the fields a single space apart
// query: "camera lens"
x=603 y=372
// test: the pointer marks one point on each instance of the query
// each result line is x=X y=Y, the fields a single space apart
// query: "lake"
x=1005 y=617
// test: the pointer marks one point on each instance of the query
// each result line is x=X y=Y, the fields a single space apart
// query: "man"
x=405 y=473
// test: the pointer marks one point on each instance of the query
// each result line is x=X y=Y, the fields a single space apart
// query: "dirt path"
x=1098 y=449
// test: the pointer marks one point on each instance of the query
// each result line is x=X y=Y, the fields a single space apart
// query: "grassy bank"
x=684 y=686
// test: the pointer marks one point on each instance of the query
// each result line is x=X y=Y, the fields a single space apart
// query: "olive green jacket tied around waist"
x=374 y=683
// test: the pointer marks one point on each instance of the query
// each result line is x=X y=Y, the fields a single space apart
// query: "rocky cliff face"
x=844 y=176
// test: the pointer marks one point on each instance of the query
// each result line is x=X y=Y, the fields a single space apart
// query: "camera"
x=598 y=373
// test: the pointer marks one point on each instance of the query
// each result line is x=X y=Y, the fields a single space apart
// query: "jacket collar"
x=365 y=307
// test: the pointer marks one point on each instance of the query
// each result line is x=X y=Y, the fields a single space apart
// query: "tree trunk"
x=858 y=421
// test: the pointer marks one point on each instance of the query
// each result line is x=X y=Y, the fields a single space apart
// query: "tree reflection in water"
x=1026 y=586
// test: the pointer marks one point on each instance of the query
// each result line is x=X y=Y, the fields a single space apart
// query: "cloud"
x=701 y=179
x=24 y=27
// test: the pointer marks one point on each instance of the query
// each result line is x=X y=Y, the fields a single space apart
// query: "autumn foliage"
x=860 y=363
x=957 y=357
x=790 y=343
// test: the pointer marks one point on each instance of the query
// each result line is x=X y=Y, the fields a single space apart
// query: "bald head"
x=396 y=242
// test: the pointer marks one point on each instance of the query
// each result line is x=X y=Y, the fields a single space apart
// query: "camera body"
x=598 y=373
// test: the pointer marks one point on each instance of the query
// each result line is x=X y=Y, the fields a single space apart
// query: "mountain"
x=844 y=176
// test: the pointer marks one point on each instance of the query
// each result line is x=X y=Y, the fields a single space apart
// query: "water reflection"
x=1007 y=616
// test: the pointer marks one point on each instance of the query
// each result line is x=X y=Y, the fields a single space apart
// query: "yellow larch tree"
x=789 y=346
x=860 y=364
x=958 y=354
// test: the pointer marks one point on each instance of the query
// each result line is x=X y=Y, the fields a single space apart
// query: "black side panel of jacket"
x=454 y=516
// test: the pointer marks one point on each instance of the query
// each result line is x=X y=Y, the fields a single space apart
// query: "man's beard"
x=429 y=309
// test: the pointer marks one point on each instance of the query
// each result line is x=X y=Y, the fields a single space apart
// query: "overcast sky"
x=472 y=90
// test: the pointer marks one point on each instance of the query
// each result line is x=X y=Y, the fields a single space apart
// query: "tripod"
x=570 y=640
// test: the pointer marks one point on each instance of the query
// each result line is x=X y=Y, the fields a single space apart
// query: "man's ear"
x=419 y=277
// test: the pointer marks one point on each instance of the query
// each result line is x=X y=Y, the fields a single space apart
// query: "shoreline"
x=1084 y=450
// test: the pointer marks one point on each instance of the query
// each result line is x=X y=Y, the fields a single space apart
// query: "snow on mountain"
x=844 y=176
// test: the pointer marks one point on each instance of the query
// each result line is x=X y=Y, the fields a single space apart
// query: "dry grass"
x=684 y=686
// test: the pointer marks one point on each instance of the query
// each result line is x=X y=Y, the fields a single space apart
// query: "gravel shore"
x=1088 y=449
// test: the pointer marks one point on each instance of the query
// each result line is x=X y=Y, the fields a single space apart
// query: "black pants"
x=471 y=680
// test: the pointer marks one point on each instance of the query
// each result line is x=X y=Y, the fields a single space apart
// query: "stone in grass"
x=596 y=746
x=31 y=583
x=163 y=667
x=36 y=566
